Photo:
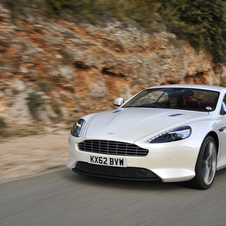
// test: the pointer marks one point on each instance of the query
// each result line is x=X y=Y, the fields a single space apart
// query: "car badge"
x=111 y=133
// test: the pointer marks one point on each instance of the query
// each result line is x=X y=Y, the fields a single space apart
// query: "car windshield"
x=179 y=98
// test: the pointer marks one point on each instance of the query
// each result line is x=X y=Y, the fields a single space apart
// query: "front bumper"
x=169 y=162
x=128 y=173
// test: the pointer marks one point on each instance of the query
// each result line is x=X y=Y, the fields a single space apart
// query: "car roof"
x=192 y=86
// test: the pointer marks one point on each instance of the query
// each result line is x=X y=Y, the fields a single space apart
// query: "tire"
x=206 y=165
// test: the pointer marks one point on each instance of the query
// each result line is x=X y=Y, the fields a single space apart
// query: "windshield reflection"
x=178 y=98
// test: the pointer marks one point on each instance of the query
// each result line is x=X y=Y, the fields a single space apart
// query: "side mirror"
x=208 y=108
x=118 y=101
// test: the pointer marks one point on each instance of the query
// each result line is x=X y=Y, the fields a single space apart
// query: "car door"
x=222 y=134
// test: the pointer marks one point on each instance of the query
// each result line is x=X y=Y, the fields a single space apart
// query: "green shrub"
x=35 y=101
x=202 y=22
x=59 y=7
x=4 y=133
x=3 y=127
x=2 y=123
x=140 y=11
x=44 y=84
x=57 y=109
x=23 y=7
x=174 y=41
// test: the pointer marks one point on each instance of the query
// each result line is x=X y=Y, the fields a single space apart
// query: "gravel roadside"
x=23 y=156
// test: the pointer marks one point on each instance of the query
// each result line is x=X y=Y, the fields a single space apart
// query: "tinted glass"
x=179 y=98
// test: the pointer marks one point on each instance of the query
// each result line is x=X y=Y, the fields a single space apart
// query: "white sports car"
x=172 y=133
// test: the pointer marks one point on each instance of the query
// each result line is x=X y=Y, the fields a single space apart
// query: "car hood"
x=131 y=124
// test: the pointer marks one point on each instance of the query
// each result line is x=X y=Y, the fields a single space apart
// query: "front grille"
x=112 y=148
x=128 y=173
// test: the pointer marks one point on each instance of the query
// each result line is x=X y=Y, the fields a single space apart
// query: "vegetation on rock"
x=54 y=70
x=35 y=101
x=202 y=22
x=3 y=126
x=44 y=84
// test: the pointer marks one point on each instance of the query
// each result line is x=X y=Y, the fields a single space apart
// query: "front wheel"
x=206 y=165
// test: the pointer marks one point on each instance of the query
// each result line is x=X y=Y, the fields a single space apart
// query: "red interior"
x=191 y=102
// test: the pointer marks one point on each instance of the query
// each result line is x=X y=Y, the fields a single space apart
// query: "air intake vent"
x=112 y=148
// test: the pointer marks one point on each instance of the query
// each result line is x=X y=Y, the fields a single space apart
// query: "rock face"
x=51 y=69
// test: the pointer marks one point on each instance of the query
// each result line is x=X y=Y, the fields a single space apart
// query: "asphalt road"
x=64 y=198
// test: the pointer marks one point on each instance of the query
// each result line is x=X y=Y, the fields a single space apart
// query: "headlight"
x=172 y=135
x=76 y=130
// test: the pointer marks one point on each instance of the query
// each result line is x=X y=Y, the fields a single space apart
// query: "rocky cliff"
x=55 y=70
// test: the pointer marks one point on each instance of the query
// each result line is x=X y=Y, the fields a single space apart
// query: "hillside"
x=53 y=71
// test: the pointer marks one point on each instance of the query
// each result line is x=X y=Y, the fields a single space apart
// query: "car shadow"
x=131 y=184
x=122 y=184
x=220 y=175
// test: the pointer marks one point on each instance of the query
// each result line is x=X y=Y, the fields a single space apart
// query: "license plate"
x=107 y=161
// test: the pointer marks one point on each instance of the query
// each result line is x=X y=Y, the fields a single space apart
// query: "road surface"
x=64 y=198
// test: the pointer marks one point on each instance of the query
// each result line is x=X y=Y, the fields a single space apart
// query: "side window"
x=224 y=100
x=223 y=107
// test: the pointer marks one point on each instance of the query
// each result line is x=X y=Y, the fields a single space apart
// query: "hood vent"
x=116 y=111
x=173 y=115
